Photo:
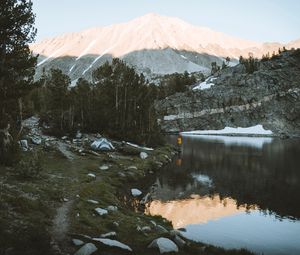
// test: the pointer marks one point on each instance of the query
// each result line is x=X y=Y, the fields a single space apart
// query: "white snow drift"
x=254 y=130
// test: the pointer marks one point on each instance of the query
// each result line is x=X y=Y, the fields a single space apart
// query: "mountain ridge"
x=152 y=32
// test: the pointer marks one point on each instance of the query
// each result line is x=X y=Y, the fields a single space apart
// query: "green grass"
x=28 y=206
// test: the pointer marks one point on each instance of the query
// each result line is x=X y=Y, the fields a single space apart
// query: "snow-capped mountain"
x=152 y=43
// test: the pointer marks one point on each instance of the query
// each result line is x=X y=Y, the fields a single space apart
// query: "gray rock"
x=146 y=229
x=270 y=97
x=91 y=201
x=36 y=140
x=101 y=211
x=87 y=249
x=112 y=208
x=164 y=245
x=132 y=168
x=77 y=242
x=161 y=228
x=116 y=224
x=104 y=167
x=91 y=175
x=143 y=155
x=24 y=145
x=179 y=241
x=136 y=192
x=113 y=243
x=78 y=135
x=109 y=234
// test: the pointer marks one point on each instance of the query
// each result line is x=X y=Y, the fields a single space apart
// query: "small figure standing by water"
x=179 y=142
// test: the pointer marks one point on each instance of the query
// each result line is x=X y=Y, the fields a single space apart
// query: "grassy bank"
x=42 y=214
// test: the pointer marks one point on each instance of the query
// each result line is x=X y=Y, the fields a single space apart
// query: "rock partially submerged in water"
x=113 y=243
x=164 y=245
x=87 y=249
x=136 y=192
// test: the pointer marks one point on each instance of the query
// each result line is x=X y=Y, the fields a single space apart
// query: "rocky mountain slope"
x=270 y=96
x=153 y=44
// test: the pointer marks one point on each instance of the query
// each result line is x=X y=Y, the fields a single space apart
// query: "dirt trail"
x=60 y=227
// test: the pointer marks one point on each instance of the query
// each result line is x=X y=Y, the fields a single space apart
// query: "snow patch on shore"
x=254 y=130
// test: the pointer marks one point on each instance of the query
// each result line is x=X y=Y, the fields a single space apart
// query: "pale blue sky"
x=259 y=20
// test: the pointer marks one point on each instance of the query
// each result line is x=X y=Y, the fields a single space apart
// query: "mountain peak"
x=151 y=41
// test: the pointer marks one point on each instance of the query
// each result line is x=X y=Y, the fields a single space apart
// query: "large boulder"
x=164 y=245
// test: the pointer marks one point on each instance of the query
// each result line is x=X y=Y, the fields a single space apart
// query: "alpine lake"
x=233 y=192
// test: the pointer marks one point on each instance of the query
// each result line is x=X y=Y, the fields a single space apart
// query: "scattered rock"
x=36 y=140
x=116 y=224
x=132 y=168
x=136 y=192
x=24 y=145
x=101 y=211
x=86 y=249
x=167 y=158
x=112 y=208
x=93 y=201
x=109 y=234
x=179 y=241
x=159 y=164
x=164 y=245
x=175 y=232
x=78 y=135
x=146 y=229
x=153 y=222
x=77 y=242
x=121 y=174
x=65 y=199
x=104 y=167
x=91 y=175
x=161 y=229
x=145 y=199
x=143 y=155
x=113 y=243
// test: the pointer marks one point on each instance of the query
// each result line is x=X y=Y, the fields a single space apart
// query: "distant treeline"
x=118 y=102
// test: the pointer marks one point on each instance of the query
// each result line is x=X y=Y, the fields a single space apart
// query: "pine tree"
x=16 y=64
x=59 y=101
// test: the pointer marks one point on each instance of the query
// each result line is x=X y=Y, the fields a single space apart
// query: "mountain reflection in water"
x=234 y=192
x=200 y=209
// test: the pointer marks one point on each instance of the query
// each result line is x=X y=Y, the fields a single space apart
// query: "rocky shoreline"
x=269 y=96
x=86 y=202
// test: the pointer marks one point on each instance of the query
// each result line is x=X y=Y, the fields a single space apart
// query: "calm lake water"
x=234 y=192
